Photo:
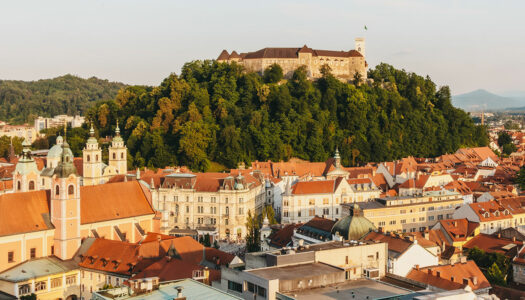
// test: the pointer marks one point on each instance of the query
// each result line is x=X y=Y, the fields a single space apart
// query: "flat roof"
x=39 y=267
x=352 y=289
x=191 y=289
x=294 y=271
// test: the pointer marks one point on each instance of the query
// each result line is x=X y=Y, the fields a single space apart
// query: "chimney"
x=416 y=267
x=179 y=294
x=513 y=238
x=499 y=235
x=427 y=234
x=463 y=259
x=474 y=280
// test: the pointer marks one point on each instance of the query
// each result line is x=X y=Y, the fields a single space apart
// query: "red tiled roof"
x=320 y=223
x=113 y=201
x=396 y=244
x=283 y=236
x=489 y=211
x=458 y=229
x=489 y=243
x=111 y=256
x=451 y=277
x=313 y=187
x=24 y=212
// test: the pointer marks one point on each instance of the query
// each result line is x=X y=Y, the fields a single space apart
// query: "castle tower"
x=92 y=160
x=26 y=176
x=118 y=153
x=360 y=45
x=65 y=205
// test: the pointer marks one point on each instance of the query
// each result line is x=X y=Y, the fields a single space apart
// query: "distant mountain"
x=483 y=100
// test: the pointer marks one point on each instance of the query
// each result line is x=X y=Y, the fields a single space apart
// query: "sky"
x=465 y=44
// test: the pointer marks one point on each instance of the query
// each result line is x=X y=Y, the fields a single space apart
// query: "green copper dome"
x=65 y=167
x=354 y=226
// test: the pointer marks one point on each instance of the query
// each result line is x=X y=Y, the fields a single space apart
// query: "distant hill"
x=22 y=101
x=481 y=99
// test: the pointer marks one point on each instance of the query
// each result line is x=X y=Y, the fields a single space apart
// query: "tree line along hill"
x=215 y=114
x=23 y=101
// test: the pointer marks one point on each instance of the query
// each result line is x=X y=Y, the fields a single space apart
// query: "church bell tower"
x=118 y=153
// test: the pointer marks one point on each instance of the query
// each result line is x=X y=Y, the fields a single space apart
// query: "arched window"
x=96 y=157
x=71 y=189
x=67 y=158
x=57 y=190
x=31 y=185
x=227 y=210
x=114 y=155
x=88 y=157
x=18 y=185
x=122 y=155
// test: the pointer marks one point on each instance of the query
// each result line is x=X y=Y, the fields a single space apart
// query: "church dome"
x=55 y=151
x=354 y=226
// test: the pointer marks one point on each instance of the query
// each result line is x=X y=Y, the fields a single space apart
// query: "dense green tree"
x=23 y=101
x=216 y=112
x=507 y=149
x=273 y=74
x=253 y=242
x=520 y=178
x=504 y=138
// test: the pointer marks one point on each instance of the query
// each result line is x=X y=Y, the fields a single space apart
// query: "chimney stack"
x=475 y=280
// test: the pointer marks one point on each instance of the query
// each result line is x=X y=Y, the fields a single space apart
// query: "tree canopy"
x=23 y=101
x=216 y=112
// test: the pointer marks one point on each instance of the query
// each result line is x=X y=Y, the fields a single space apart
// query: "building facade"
x=343 y=64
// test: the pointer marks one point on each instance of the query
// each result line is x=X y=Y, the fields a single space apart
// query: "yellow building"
x=409 y=213
x=47 y=278
x=343 y=64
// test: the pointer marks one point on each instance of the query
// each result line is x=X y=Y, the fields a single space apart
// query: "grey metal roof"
x=37 y=268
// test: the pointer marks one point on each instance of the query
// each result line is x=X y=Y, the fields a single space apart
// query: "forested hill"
x=216 y=112
x=22 y=101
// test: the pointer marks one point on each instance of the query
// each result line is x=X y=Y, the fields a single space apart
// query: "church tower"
x=118 y=153
x=65 y=205
x=26 y=176
x=265 y=233
x=92 y=160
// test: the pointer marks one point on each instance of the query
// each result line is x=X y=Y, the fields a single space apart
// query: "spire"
x=91 y=130
x=117 y=130
x=337 y=158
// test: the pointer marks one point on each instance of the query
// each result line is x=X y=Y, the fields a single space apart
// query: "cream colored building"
x=21 y=131
x=213 y=203
x=343 y=64
x=409 y=213
x=307 y=199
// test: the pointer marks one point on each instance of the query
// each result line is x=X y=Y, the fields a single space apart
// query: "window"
x=117 y=281
x=18 y=185
x=200 y=209
x=96 y=157
x=299 y=213
x=285 y=213
x=199 y=199
x=337 y=210
x=10 y=257
x=422 y=228
x=422 y=209
x=325 y=201
x=24 y=289
x=225 y=221
x=403 y=221
x=241 y=211
x=431 y=208
x=56 y=282
x=311 y=212
x=240 y=200
x=71 y=279
x=227 y=210
x=52 y=250
x=261 y=291
x=440 y=217
x=187 y=209
x=89 y=158
x=234 y=286
x=40 y=285
x=226 y=200
x=311 y=202
x=71 y=189
x=382 y=223
x=251 y=287
x=421 y=219
x=326 y=211
x=431 y=218
x=213 y=200
x=285 y=203
x=213 y=210
x=403 y=211
x=33 y=252
x=122 y=155
x=31 y=185
x=392 y=222
x=114 y=155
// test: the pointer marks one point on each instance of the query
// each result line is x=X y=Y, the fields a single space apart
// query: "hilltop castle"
x=344 y=64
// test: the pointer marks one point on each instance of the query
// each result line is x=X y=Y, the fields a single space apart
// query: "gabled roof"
x=24 y=212
x=313 y=187
x=395 y=244
x=458 y=229
x=451 y=277
x=111 y=256
x=224 y=55
x=490 y=211
x=113 y=201
x=493 y=244
x=283 y=237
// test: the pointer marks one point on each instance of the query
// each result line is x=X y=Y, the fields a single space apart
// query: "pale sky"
x=464 y=44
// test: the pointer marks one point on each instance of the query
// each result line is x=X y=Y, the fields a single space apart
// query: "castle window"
x=71 y=190
x=31 y=185
x=114 y=155
x=89 y=158
x=57 y=190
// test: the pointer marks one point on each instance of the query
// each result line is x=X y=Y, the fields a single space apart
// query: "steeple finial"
x=117 y=130
x=91 y=130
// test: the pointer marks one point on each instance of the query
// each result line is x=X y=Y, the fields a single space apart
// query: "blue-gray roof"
x=37 y=268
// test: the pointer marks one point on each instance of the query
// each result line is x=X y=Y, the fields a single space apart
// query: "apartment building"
x=408 y=213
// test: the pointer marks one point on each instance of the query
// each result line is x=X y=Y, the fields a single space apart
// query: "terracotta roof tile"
x=451 y=277
x=113 y=201
x=31 y=207
x=313 y=187
x=492 y=244
x=396 y=244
